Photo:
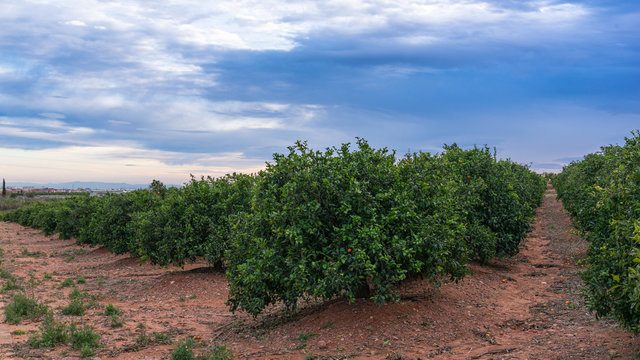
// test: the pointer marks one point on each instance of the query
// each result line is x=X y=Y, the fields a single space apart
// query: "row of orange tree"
x=602 y=193
x=345 y=221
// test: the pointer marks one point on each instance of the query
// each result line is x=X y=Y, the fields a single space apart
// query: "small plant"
x=111 y=310
x=66 y=283
x=184 y=351
x=84 y=337
x=5 y=274
x=51 y=334
x=86 y=351
x=18 y=332
x=116 y=322
x=23 y=306
x=47 y=276
x=75 y=308
x=161 y=337
x=26 y=252
x=10 y=285
x=81 y=281
x=77 y=294
x=303 y=340
x=143 y=339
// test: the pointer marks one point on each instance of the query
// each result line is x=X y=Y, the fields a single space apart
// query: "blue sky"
x=101 y=90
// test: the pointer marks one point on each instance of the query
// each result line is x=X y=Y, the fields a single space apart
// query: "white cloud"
x=50 y=129
x=192 y=114
x=119 y=163
x=75 y=23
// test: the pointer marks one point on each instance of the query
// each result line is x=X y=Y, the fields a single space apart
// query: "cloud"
x=180 y=79
x=119 y=163
x=75 y=23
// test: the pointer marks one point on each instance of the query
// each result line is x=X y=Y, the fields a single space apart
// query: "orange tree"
x=340 y=222
x=602 y=192
x=192 y=221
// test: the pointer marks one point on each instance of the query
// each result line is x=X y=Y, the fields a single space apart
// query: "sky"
x=133 y=90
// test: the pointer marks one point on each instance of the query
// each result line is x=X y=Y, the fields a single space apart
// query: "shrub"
x=84 y=336
x=22 y=306
x=67 y=283
x=184 y=351
x=51 y=334
x=75 y=308
x=110 y=223
x=193 y=221
x=110 y=310
x=602 y=193
x=339 y=222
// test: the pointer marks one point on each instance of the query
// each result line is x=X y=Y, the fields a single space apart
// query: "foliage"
x=316 y=224
x=75 y=307
x=23 y=307
x=602 y=193
x=184 y=351
x=193 y=221
x=356 y=223
x=84 y=336
x=51 y=333
x=110 y=310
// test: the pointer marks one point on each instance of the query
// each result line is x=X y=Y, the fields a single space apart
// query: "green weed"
x=184 y=351
x=75 y=308
x=22 y=306
x=66 y=283
x=51 y=333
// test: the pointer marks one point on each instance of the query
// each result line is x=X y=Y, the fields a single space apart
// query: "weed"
x=303 y=340
x=111 y=310
x=161 y=337
x=86 y=351
x=184 y=351
x=84 y=336
x=66 y=283
x=116 y=322
x=51 y=334
x=23 y=306
x=26 y=252
x=18 y=332
x=10 y=285
x=191 y=297
x=75 y=308
x=81 y=281
x=143 y=339
x=77 y=294
x=5 y=274
x=47 y=276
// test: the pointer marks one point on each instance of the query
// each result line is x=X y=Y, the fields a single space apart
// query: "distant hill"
x=83 y=185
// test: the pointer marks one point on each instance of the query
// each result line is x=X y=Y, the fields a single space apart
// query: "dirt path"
x=514 y=308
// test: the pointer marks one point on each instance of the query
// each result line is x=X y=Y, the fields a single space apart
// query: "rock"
x=322 y=344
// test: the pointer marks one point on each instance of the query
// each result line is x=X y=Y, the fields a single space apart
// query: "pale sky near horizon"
x=131 y=90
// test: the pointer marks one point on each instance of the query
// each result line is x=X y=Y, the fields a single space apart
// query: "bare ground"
x=525 y=307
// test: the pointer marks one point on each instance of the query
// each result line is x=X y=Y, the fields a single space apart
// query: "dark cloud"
x=189 y=78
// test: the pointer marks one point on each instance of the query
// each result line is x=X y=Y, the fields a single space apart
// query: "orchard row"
x=602 y=193
x=317 y=224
